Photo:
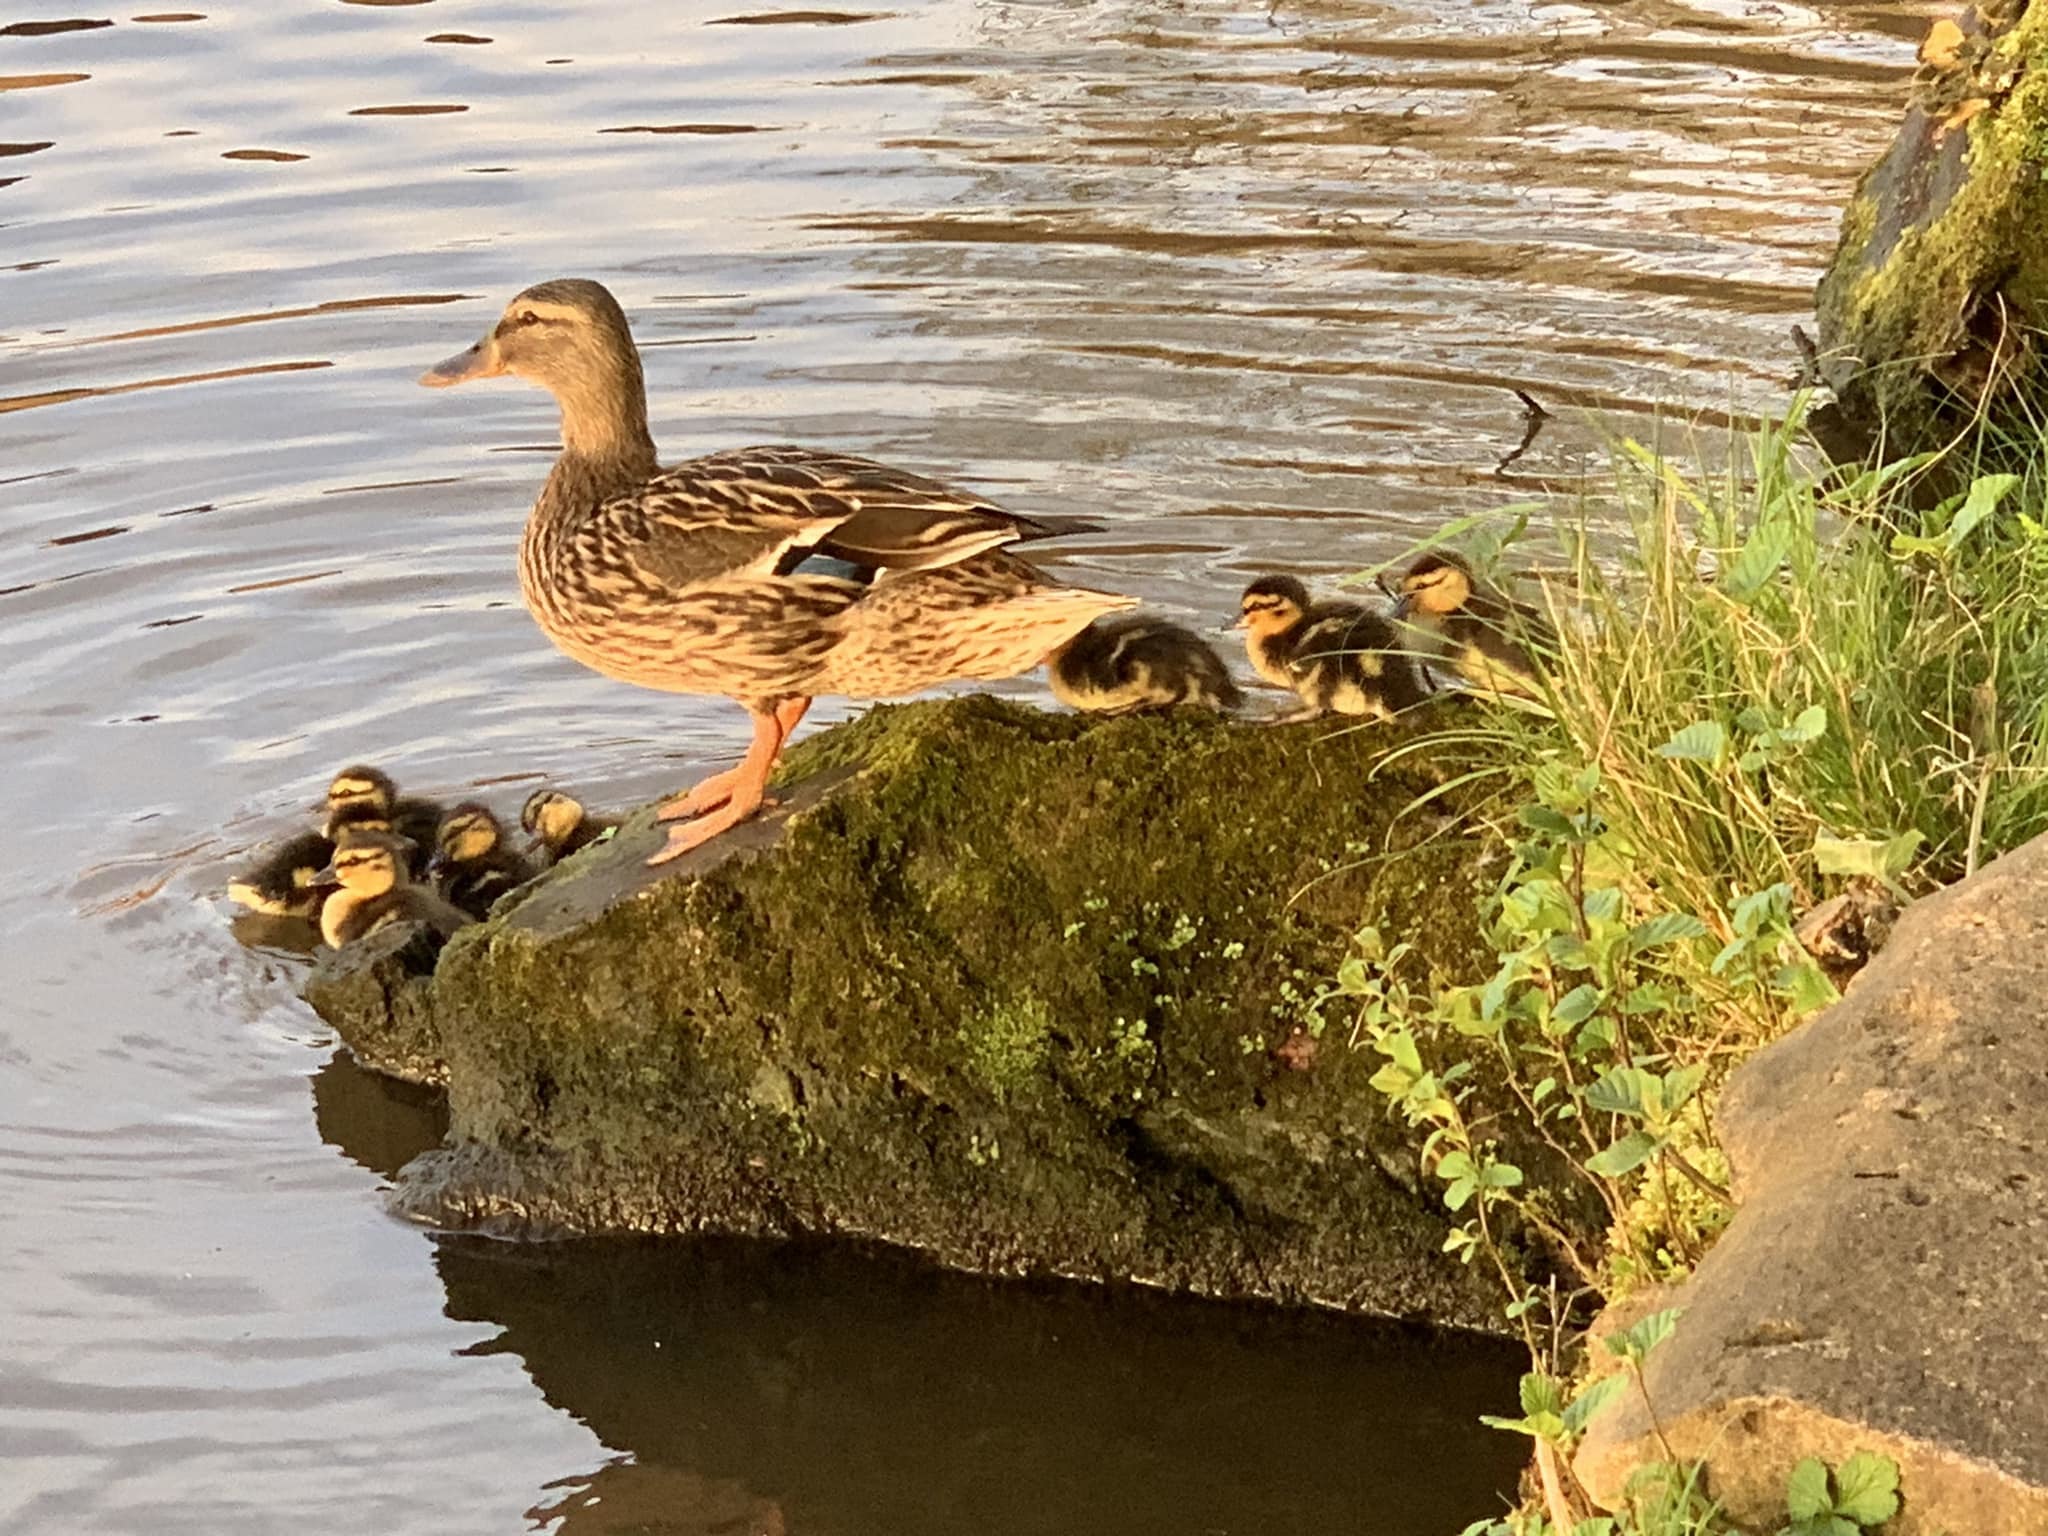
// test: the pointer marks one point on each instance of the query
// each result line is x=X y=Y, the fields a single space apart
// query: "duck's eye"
x=526 y=317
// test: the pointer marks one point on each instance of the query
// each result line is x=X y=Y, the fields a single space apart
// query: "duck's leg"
x=746 y=789
x=710 y=793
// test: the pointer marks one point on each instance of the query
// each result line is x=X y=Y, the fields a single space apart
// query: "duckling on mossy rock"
x=558 y=825
x=1139 y=661
x=281 y=882
x=1490 y=638
x=372 y=889
x=691 y=579
x=1336 y=657
x=473 y=865
x=366 y=797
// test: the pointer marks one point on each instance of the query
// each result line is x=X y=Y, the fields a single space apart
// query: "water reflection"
x=761 y=1387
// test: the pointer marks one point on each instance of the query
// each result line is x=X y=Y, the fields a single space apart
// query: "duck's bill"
x=1404 y=605
x=479 y=362
x=323 y=878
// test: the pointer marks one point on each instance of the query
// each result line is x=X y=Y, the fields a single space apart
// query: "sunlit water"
x=1253 y=286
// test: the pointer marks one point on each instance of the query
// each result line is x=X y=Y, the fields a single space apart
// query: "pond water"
x=1251 y=283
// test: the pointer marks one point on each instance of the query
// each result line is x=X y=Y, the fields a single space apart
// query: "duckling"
x=280 y=884
x=370 y=870
x=559 y=826
x=365 y=797
x=1137 y=662
x=1490 y=638
x=472 y=863
x=1334 y=656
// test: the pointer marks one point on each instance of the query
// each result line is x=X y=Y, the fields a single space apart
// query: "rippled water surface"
x=1251 y=283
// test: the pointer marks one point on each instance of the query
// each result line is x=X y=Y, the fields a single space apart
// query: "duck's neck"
x=606 y=447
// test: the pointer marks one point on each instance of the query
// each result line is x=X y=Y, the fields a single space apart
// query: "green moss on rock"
x=999 y=984
x=1940 y=280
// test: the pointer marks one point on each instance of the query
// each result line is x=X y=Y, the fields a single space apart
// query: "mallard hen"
x=1488 y=637
x=689 y=580
x=1335 y=657
x=1136 y=661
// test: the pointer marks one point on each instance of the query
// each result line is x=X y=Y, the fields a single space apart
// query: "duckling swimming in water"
x=472 y=862
x=559 y=826
x=280 y=883
x=1336 y=657
x=1484 y=634
x=370 y=870
x=1137 y=662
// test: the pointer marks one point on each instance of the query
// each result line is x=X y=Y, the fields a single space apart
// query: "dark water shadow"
x=763 y=1387
x=373 y=1120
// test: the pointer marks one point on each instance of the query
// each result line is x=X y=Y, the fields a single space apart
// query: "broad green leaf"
x=1540 y=1392
x=1619 y=1091
x=1500 y=1176
x=1456 y=1164
x=1351 y=977
x=1460 y=1192
x=1603 y=905
x=1666 y=928
x=1810 y=725
x=1756 y=562
x=1704 y=741
x=1591 y=1399
x=1806 y=1490
x=1576 y=1006
x=1756 y=911
x=1541 y=818
x=1400 y=1046
x=1680 y=1084
x=1807 y=985
x=1882 y=859
x=1392 y=1080
x=1867 y=1488
x=1626 y=1155
x=1986 y=492
x=1637 y=1342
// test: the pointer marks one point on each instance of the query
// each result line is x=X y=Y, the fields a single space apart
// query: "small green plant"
x=1863 y=1492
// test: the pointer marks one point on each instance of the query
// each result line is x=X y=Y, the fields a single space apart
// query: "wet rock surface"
x=1881 y=1286
x=1017 y=989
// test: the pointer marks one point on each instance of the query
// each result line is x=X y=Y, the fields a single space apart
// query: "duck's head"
x=569 y=336
x=1437 y=583
x=467 y=833
x=360 y=796
x=1272 y=605
x=367 y=864
x=550 y=817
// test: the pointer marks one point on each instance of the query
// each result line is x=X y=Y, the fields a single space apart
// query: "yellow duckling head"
x=1272 y=605
x=551 y=817
x=1438 y=583
x=362 y=797
x=468 y=834
x=367 y=864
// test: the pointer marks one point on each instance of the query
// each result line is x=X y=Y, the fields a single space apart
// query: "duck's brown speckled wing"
x=895 y=520
x=752 y=512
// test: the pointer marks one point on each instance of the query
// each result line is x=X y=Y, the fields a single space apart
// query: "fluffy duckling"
x=369 y=869
x=559 y=825
x=472 y=862
x=366 y=797
x=1336 y=657
x=1137 y=662
x=280 y=883
x=1488 y=637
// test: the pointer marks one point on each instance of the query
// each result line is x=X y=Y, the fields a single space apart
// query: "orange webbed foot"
x=696 y=834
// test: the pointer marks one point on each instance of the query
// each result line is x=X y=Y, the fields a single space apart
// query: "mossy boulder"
x=1930 y=310
x=1023 y=990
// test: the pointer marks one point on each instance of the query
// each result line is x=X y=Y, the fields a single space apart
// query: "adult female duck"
x=692 y=579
